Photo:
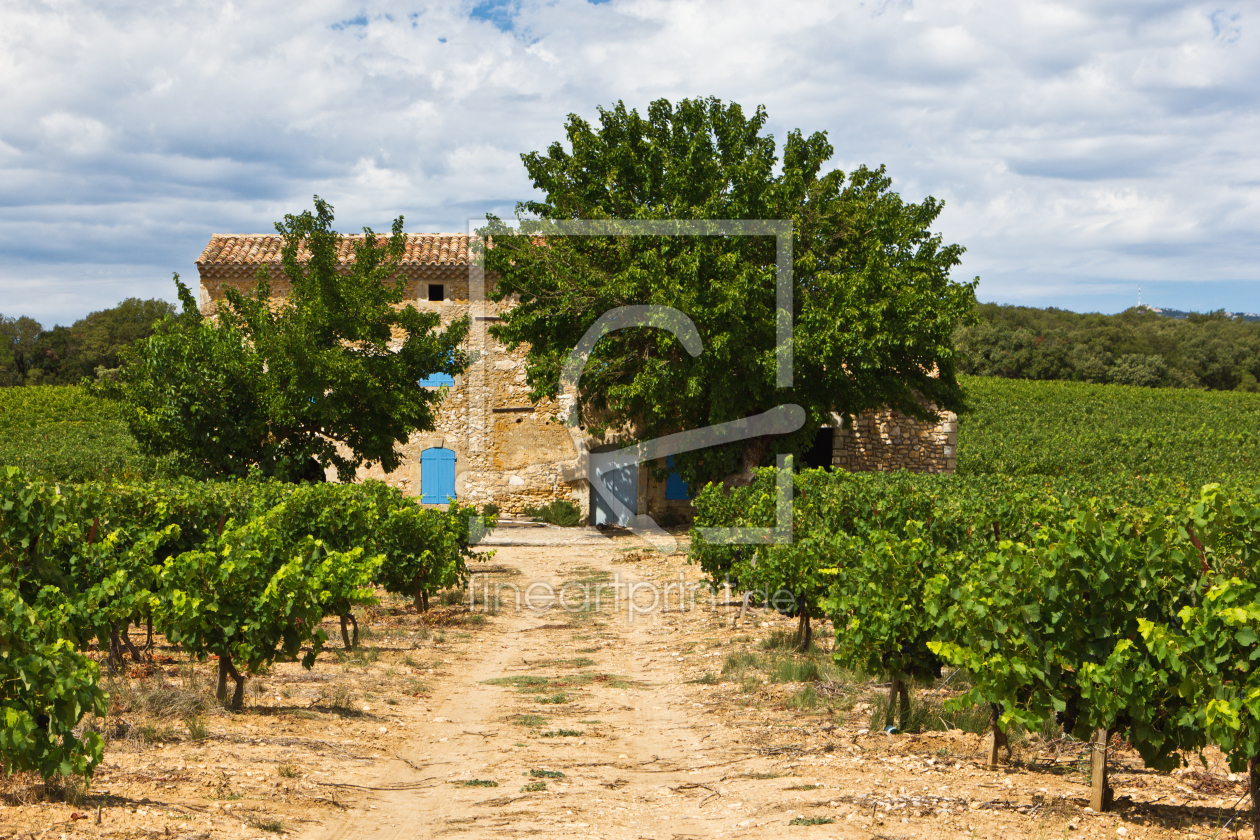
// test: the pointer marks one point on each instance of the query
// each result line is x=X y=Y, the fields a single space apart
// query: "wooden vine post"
x=1099 y=791
x=999 y=737
x=898 y=702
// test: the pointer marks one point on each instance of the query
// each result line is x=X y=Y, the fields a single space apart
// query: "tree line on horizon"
x=33 y=355
x=1212 y=351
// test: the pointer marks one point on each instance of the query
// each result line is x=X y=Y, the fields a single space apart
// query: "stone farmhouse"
x=493 y=444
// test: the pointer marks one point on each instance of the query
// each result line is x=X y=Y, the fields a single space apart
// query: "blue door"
x=676 y=490
x=624 y=486
x=437 y=476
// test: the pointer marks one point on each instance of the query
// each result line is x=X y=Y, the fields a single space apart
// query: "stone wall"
x=890 y=440
x=508 y=450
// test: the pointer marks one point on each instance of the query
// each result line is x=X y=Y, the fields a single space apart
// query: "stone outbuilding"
x=492 y=443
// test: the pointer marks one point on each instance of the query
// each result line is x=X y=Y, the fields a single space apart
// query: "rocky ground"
x=578 y=707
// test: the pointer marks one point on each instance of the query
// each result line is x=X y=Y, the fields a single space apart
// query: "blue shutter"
x=437 y=380
x=676 y=489
x=437 y=476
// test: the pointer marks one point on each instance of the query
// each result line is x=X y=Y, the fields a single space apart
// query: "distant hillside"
x=1181 y=316
x=1141 y=346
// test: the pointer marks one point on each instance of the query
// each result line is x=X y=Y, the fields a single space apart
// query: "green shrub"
x=559 y=512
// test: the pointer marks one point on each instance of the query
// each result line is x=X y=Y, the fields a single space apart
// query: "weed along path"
x=594 y=691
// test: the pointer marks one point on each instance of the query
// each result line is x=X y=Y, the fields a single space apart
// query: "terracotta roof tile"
x=253 y=249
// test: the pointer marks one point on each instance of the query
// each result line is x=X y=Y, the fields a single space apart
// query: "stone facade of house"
x=505 y=448
x=891 y=440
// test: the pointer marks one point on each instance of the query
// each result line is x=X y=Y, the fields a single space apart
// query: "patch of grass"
x=289 y=771
x=159 y=699
x=522 y=683
x=804 y=700
x=749 y=684
x=475 y=783
x=272 y=824
x=151 y=733
x=803 y=787
x=591 y=722
x=577 y=662
x=564 y=733
x=546 y=774
x=740 y=661
x=72 y=789
x=588 y=650
x=812 y=821
x=554 y=699
x=779 y=640
x=338 y=698
x=709 y=678
x=795 y=670
x=360 y=657
x=931 y=715
x=560 y=512
x=196 y=726
x=534 y=787
x=532 y=721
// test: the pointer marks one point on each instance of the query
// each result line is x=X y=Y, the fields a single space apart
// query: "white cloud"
x=1081 y=147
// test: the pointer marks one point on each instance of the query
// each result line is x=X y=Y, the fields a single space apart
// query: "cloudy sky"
x=1082 y=148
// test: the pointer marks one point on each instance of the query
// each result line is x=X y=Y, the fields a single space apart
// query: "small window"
x=437 y=291
x=437 y=380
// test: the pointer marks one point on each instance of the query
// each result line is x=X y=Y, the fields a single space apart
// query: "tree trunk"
x=999 y=737
x=894 y=692
x=425 y=597
x=220 y=691
x=115 y=652
x=419 y=596
x=126 y=640
x=1253 y=770
x=345 y=635
x=743 y=608
x=354 y=638
x=903 y=710
x=1099 y=790
x=804 y=633
x=148 y=641
x=226 y=669
x=754 y=450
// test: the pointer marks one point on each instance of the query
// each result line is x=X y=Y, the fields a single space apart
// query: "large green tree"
x=328 y=377
x=874 y=307
x=17 y=348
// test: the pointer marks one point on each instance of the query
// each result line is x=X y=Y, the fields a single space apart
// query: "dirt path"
x=609 y=721
x=641 y=739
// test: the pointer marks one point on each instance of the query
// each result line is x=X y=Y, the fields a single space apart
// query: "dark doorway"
x=819 y=454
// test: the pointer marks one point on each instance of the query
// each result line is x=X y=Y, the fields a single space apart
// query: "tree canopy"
x=874 y=307
x=326 y=378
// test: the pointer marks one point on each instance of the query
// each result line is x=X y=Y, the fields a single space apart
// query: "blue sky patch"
x=501 y=13
x=358 y=20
